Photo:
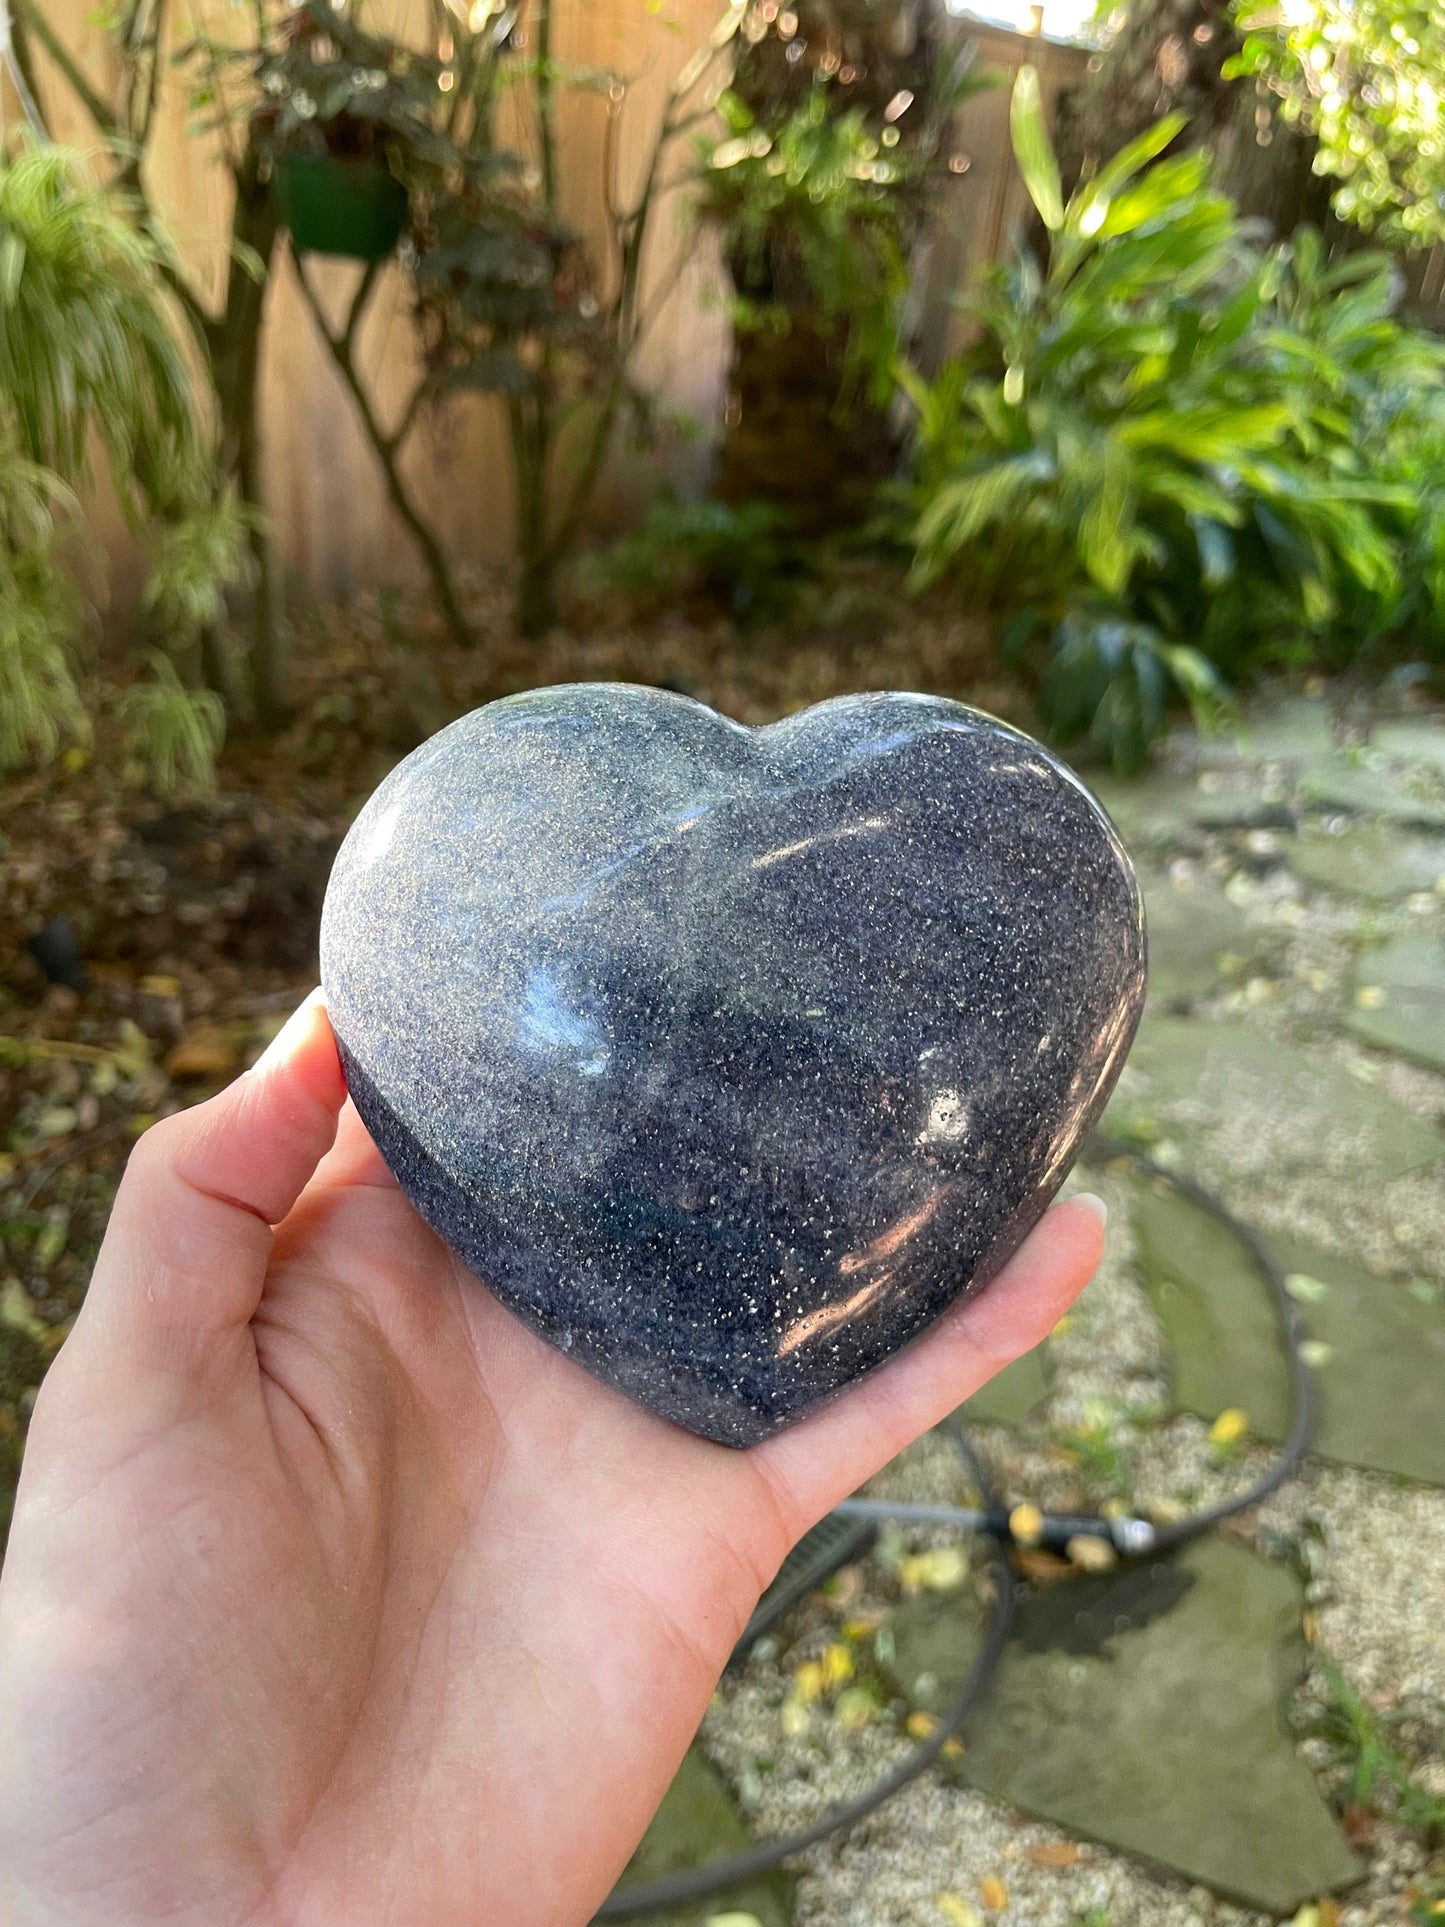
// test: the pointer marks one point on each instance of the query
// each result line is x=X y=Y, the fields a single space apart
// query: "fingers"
x=190 y=1234
x=353 y=1158
x=826 y=1457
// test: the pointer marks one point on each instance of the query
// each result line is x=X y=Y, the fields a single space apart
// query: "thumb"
x=186 y=1250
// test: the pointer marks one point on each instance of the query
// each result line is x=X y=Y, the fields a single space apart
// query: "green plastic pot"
x=355 y=208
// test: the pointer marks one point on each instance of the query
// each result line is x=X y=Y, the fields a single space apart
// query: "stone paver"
x=1378 y=1378
x=1400 y=999
x=1143 y=1709
x=1380 y=862
x=1189 y=1078
x=1190 y=930
x=1364 y=783
x=1011 y=1396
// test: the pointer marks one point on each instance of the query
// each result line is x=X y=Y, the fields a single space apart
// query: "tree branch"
x=387 y=447
x=34 y=21
x=33 y=102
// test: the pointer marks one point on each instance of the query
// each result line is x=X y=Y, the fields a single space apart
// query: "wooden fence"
x=334 y=526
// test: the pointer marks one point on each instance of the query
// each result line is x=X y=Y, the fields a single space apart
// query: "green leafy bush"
x=739 y=556
x=1176 y=457
x=1363 y=77
x=808 y=217
x=86 y=351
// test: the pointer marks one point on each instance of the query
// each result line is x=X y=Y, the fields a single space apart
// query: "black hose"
x=1131 y=1537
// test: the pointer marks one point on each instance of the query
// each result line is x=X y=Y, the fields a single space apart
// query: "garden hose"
x=1024 y=1527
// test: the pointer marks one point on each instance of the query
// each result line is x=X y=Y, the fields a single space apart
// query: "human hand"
x=336 y=1596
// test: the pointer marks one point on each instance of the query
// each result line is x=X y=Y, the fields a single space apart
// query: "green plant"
x=740 y=557
x=808 y=216
x=324 y=84
x=1171 y=455
x=87 y=352
x=1375 y=1771
x=177 y=730
x=226 y=332
x=1364 y=77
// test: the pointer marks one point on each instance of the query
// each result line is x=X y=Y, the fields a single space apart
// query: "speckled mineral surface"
x=729 y=1058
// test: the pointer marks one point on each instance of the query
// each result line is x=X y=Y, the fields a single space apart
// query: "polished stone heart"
x=729 y=1058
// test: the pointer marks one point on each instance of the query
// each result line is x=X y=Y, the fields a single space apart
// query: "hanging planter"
x=352 y=206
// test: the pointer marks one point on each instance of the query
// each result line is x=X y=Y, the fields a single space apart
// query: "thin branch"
x=386 y=448
x=34 y=102
x=360 y=301
x=35 y=22
x=546 y=132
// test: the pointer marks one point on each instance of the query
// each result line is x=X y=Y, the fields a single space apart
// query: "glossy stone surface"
x=729 y=1058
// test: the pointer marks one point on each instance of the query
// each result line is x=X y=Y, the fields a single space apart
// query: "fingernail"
x=1094 y=1202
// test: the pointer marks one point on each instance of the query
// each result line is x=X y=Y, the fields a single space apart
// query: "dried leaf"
x=207 y=1052
x=1055 y=1853
x=1359 y=1823
x=1304 y=1289
x=993 y=1893
x=957 y=1911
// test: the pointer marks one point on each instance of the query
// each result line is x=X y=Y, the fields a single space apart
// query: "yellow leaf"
x=158 y=985
x=952 y=1749
x=1026 y=1523
x=957 y=1911
x=1090 y=1553
x=1230 y=1427
x=1308 y=1916
x=863 y=1627
x=921 y=1725
x=807 y=1683
x=837 y=1666
x=1369 y=997
x=733 y=1920
x=993 y=1893
x=941 y=1570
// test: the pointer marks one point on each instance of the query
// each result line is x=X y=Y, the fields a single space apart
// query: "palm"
x=385 y=1601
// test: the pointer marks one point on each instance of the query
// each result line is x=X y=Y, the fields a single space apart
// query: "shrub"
x=86 y=350
x=1178 y=458
x=740 y=557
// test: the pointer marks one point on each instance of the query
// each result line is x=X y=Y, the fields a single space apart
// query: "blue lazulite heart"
x=729 y=1058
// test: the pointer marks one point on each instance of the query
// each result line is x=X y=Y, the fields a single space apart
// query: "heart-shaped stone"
x=730 y=1057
